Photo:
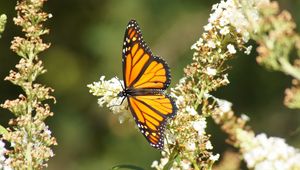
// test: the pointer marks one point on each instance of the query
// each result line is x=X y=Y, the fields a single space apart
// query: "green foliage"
x=3 y=131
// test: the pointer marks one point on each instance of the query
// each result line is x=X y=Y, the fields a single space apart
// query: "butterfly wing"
x=150 y=113
x=141 y=69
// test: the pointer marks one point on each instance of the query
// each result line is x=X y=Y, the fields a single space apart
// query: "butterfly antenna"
x=119 y=104
x=123 y=101
x=120 y=82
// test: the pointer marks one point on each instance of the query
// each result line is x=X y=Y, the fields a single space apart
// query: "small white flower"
x=211 y=44
x=2 y=144
x=224 y=105
x=197 y=45
x=211 y=71
x=200 y=126
x=4 y=163
x=223 y=22
x=248 y=50
x=225 y=79
x=164 y=161
x=208 y=27
x=217 y=12
x=208 y=145
x=231 y=49
x=165 y=153
x=246 y=36
x=245 y=117
x=191 y=110
x=214 y=7
x=185 y=165
x=154 y=164
x=182 y=80
x=179 y=100
x=224 y=30
x=2 y=152
x=190 y=146
x=214 y=157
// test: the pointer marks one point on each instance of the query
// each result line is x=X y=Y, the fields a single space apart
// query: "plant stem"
x=289 y=69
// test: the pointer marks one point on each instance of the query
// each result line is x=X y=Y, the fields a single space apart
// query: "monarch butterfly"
x=145 y=78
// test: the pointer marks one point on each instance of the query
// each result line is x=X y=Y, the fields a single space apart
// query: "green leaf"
x=127 y=167
x=3 y=130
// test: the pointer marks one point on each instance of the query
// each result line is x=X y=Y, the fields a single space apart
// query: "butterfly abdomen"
x=143 y=92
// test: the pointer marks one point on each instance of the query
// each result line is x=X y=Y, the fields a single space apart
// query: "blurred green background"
x=86 y=38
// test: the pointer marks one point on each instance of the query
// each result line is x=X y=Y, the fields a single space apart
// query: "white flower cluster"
x=230 y=12
x=197 y=45
x=163 y=161
x=263 y=153
x=243 y=16
x=191 y=145
x=234 y=18
x=183 y=164
x=4 y=163
x=108 y=91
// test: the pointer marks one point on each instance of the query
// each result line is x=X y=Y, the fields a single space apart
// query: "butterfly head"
x=122 y=94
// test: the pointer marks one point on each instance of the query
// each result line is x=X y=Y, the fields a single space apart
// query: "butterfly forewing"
x=140 y=68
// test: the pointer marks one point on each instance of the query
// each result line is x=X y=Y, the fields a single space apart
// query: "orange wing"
x=140 y=68
x=150 y=113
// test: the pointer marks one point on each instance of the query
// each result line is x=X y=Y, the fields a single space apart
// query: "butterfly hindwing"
x=140 y=68
x=151 y=113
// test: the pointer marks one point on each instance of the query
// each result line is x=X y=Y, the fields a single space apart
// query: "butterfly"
x=145 y=78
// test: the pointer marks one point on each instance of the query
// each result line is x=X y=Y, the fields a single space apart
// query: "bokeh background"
x=86 y=38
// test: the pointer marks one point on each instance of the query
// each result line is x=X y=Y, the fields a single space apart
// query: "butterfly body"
x=139 y=92
x=145 y=78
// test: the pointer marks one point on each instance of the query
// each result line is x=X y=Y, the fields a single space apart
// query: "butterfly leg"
x=124 y=97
